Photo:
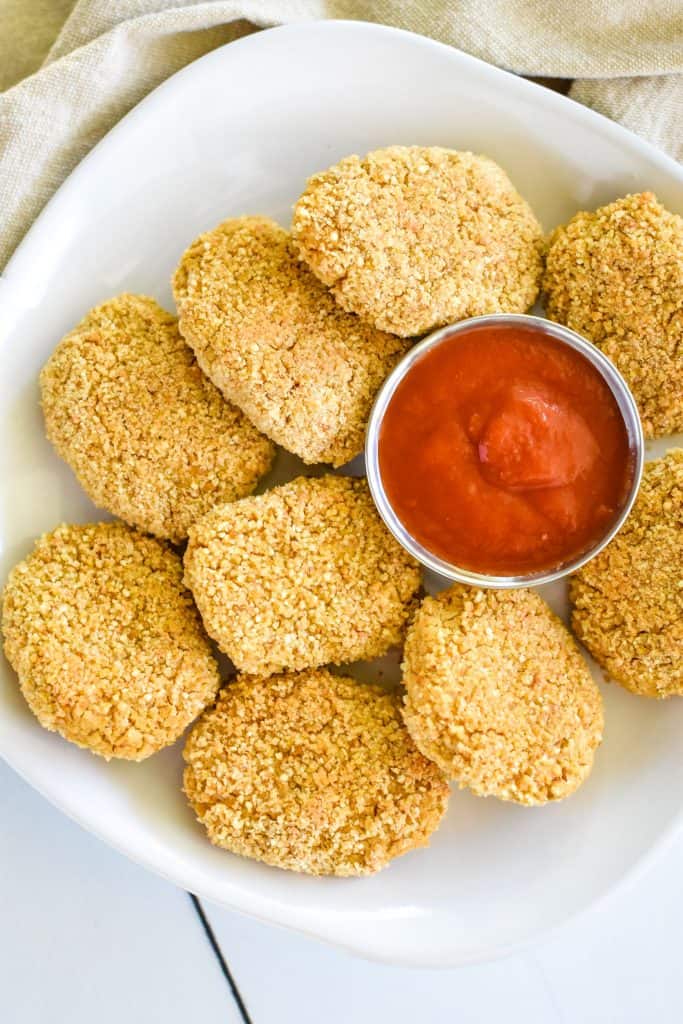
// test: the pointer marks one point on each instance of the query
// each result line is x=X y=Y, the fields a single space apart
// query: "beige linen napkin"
x=627 y=56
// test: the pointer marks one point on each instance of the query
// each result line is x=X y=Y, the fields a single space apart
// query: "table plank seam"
x=222 y=962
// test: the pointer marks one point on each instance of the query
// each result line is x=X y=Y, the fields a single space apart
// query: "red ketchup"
x=503 y=451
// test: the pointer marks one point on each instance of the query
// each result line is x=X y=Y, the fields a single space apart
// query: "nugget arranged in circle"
x=412 y=238
x=499 y=695
x=106 y=641
x=628 y=601
x=304 y=575
x=311 y=772
x=274 y=341
x=616 y=276
x=148 y=436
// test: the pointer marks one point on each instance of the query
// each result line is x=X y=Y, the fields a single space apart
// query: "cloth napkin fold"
x=627 y=57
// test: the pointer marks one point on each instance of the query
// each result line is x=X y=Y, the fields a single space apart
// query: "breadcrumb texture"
x=312 y=772
x=499 y=695
x=616 y=276
x=106 y=641
x=303 y=575
x=628 y=601
x=412 y=238
x=274 y=341
x=148 y=436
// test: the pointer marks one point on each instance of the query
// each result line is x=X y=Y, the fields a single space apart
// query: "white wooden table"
x=86 y=936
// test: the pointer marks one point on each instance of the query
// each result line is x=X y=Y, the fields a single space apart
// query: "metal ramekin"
x=610 y=374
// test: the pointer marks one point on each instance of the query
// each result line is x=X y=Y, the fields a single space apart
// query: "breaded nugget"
x=628 y=601
x=412 y=238
x=303 y=575
x=499 y=695
x=311 y=772
x=106 y=641
x=148 y=436
x=616 y=276
x=275 y=342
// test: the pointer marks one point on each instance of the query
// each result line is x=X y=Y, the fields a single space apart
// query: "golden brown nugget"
x=311 y=772
x=499 y=695
x=106 y=641
x=275 y=342
x=414 y=237
x=616 y=276
x=628 y=601
x=148 y=436
x=304 y=575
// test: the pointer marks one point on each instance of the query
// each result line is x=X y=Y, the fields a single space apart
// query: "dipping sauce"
x=504 y=452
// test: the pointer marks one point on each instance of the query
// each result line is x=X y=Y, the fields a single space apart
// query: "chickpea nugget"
x=311 y=772
x=303 y=575
x=412 y=238
x=275 y=342
x=616 y=276
x=628 y=601
x=106 y=641
x=499 y=695
x=148 y=436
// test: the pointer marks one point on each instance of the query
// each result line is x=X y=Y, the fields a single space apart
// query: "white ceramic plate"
x=238 y=132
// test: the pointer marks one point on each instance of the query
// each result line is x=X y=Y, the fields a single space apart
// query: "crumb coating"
x=274 y=341
x=412 y=238
x=149 y=438
x=499 y=695
x=304 y=575
x=311 y=772
x=616 y=276
x=628 y=601
x=106 y=641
